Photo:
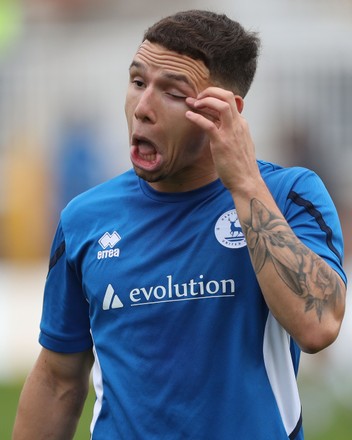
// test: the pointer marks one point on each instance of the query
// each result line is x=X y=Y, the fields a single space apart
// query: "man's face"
x=166 y=149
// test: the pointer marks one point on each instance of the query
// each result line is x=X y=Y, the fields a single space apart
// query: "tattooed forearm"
x=270 y=238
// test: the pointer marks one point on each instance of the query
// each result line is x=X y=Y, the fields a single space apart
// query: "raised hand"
x=218 y=113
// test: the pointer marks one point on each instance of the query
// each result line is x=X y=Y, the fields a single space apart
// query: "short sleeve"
x=65 y=325
x=313 y=217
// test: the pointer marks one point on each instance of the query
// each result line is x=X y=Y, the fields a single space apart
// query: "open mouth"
x=143 y=152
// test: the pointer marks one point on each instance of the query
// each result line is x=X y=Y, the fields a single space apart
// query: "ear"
x=239 y=103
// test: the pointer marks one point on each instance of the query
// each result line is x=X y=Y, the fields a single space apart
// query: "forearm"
x=50 y=407
x=47 y=413
x=302 y=291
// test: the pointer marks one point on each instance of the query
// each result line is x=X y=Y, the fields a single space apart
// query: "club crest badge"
x=228 y=230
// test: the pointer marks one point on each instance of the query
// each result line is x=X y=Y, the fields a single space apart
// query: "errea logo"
x=108 y=242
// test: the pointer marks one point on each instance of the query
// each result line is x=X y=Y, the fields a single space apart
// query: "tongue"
x=146 y=148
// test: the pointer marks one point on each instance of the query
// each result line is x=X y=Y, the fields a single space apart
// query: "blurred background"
x=63 y=74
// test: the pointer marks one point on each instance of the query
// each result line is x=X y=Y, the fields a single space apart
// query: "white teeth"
x=148 y=157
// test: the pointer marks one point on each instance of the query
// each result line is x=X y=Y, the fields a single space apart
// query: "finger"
x=222 y=95
x=216 y=92
x=203 y=122
x=222 y=109
x=212 y=103
x=206 y=111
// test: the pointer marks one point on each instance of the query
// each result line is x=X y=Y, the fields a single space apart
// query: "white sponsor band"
x=193 y=289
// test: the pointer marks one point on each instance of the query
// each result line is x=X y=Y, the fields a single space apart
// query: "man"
x=197 y=277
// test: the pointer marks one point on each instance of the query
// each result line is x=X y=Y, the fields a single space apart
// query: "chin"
x=147 y=176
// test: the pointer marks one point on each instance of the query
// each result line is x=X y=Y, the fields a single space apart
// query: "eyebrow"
x=138 y=65
x=166 y=75
x=177 y=77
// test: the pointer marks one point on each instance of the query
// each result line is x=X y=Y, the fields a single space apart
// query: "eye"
x=176 y=96
x=138 y=83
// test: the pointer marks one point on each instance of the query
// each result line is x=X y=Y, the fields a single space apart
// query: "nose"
x=146 y=107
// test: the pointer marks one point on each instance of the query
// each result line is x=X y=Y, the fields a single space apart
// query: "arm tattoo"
x=306 y=274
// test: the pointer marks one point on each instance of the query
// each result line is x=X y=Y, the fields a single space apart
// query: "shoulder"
x=101 y=196
x=270 y=170
x=285 y=182
x=99 y=204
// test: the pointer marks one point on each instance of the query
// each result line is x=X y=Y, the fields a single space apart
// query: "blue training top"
x=161 y=285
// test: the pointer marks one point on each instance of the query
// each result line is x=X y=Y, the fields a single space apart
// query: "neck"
x=176 y=185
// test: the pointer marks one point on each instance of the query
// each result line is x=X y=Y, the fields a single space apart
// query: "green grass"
x=339 y=426
x=339 y=429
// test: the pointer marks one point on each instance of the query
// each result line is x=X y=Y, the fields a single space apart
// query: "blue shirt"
x=162 y=287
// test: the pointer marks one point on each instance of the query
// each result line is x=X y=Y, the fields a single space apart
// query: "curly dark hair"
x=226 y=48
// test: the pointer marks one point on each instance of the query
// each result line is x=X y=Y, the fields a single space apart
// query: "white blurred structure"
x=301 y=99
